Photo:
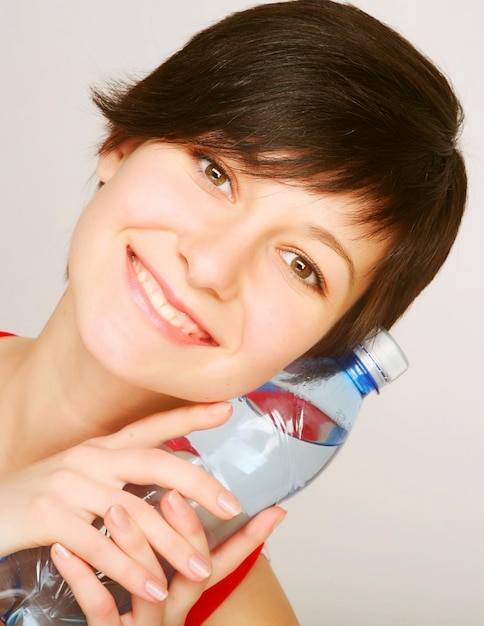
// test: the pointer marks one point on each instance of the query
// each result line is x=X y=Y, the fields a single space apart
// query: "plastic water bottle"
x=278 y=439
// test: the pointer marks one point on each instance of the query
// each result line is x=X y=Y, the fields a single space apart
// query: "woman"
x=280 y=187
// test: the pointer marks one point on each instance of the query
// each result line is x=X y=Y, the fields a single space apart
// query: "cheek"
x=156 y=201
x=84 y=233
x=284 y=326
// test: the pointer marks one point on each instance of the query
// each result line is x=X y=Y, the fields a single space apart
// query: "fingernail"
x=62 y=551
x=155 y=590
x=220 y=408
x=119 y=516
x=199 y=566
x=229 y=503
x=279 y=521
x=178 y=503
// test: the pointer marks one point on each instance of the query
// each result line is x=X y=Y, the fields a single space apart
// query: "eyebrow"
x=323 y=235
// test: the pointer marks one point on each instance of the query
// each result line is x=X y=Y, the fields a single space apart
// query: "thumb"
x=157 y=428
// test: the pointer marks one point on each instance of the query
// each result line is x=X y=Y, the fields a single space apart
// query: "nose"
x=216 y=259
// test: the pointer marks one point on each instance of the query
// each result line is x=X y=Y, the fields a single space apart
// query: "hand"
x=56 y=500
x=95 y=600
x=98 y=604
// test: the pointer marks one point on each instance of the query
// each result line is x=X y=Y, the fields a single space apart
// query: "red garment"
x=213 y=597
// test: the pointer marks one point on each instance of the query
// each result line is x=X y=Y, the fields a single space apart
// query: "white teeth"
x=148 y=287
x=167 y=312
x=187 y=324
x=176 y=322
x=157 y=298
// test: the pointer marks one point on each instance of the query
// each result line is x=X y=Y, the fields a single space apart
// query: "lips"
x=159 y=301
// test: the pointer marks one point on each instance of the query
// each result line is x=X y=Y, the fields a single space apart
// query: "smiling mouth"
x=155 y=294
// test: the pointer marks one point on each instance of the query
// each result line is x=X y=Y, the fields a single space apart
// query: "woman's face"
x=194 y=280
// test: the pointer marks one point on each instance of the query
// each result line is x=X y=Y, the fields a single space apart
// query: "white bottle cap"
x=382 y=357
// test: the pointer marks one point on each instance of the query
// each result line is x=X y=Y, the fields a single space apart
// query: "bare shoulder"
x=259 y=601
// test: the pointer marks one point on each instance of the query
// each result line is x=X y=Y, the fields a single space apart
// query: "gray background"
x=392 y=532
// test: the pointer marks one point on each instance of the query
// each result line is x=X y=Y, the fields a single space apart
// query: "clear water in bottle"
x=278 y=439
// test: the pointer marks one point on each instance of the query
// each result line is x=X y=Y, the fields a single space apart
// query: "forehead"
x=339 y=221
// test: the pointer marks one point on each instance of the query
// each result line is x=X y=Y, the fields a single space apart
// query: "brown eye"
x=216 y=175
x=302 y=268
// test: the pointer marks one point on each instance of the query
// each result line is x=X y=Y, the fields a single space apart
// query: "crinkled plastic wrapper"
x=42 y=598
x=278 y=439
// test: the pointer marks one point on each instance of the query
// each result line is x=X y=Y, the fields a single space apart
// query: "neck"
x=56 y=395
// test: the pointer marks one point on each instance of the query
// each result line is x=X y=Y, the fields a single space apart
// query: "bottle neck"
x=355 y=369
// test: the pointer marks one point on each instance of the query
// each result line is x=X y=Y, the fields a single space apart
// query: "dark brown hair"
x=347 y=106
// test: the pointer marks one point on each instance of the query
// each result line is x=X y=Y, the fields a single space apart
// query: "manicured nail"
x=279 y=521
x=178 y=503
x=199 y=566
x=155 y=590
x=119 y=516
x=62 y=551
x=220 y=408
x=229 y=503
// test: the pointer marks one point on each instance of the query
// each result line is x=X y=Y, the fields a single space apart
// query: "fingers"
x=233 y=551
x=184 y=592
x=153 y=466
x=183 y=519
x=155 y=429
x=106 y=556
x=84 y=496
x=94 y=599
x=146 y=466
x=129 y=538
x=54 y=486
x=225 y=559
